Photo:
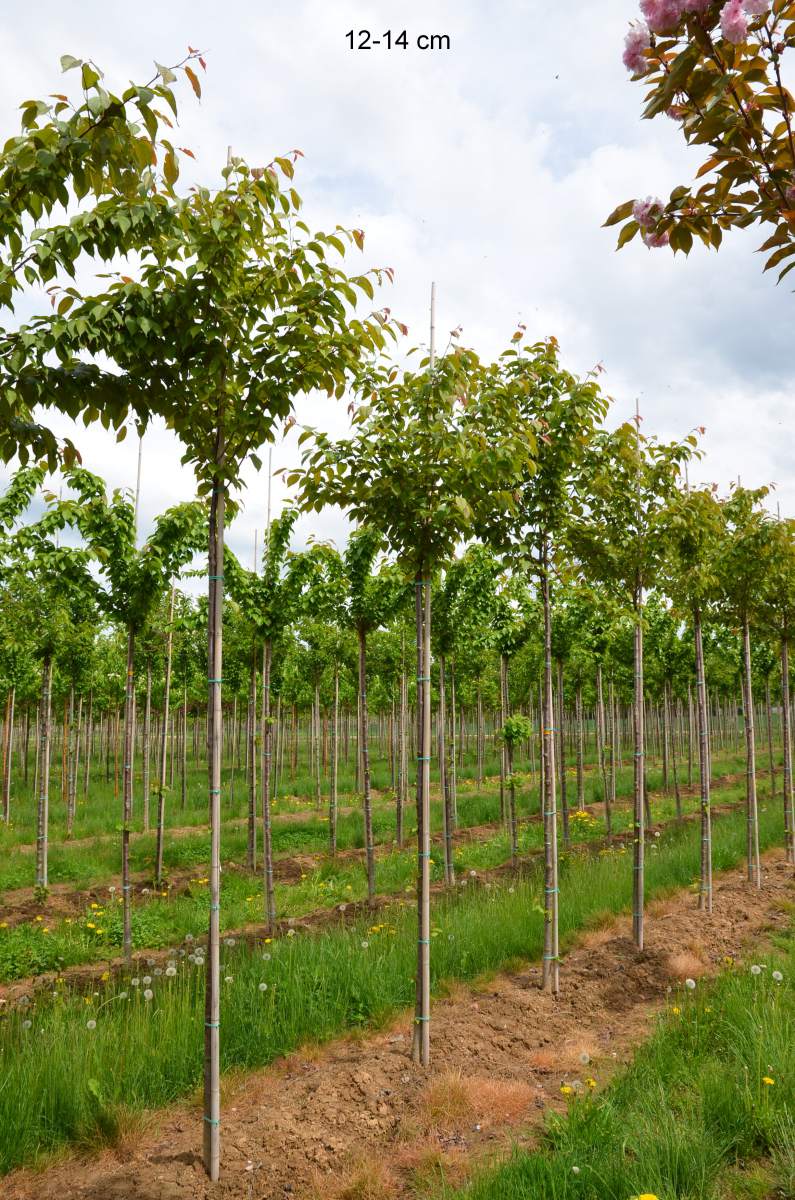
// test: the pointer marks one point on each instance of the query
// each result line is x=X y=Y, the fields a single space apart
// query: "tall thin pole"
x=638 y=715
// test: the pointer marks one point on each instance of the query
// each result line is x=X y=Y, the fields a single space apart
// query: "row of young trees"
x=233 y=308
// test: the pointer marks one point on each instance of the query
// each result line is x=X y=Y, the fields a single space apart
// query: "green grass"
x=48 y=944
x=62 y=1082
x=692 y=1107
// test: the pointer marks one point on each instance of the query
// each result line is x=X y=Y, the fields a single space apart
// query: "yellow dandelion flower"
x=105 y=976
x=566 y=1090
x=38 y=918
x=100 y=931
x=87 y=1000
x=90 y=925
x=767 y=1081
x=591 y=1083
x=3 y=924
x=45 y=929
x=268 y=941
x=94 y=905
x=676 y=1010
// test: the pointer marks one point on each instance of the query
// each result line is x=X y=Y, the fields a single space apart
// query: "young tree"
x=431 y=452
x=718 y=69
x=629 y=482
x=565 y=410
x=135 y=583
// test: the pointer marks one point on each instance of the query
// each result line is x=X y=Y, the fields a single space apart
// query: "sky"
x=489 y=168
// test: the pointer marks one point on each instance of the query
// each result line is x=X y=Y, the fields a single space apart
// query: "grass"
x=706 y=1110
x=63 y=1082
x=47 y=943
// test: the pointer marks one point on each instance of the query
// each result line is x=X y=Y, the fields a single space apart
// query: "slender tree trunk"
x=369 y=848
x=702 y=713
x=512 y=824
x=403 y=782
x=564 y=803
x=689 y=735
x=754 y=864
x=551 y=964
x=129 y=700
x=480 y=736
x=786 y=734
x=769 y=723
x=183 y=749
x=316 y=714
x=422 y=1045
x=212 y=1010
x=602 y=745
x=580 y=746
x=444 y=776
x=266 y=737
x=503 y=719
x=335 y=740
x=42 y=830
x=452 y=772
x=639 y=811
x=251 y=726
x=147 y=738
x=8 y=745
x=161 y=781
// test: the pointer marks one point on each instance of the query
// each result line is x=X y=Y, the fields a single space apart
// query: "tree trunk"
x=147 y=736
x=403 y=782
x=786 y=734
x=8 y=743
x=251 y=727
x=266 y=738
x=212 y=1075
x=42 y=829
x=129 y=699
x=551 y=963
x=702 y=713
x=754 y=864
x=639 y=832
x=602 y=745
x=769 y=723
x=564 y=803
x=161 y=781
x=369 y=848
x=335 y=754
x=444 y=777
x=421 y=1050
x=580 y=746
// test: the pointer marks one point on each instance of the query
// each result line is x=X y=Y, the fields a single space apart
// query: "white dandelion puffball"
x=690 y=984
x=188 y=937
x=229 y=979
x=122 y=995
x=229 y=941
x=263 y=987
x=148 y=994
x=171 y=963
x=158 y=971
x=473 y=874
x=575 y=1170
x=291 y=933
x=365 y=945
x=91 y=1024
x=171 y=972
x=777 y=976
x=135 y=982
x=585 y=1058
x=266 y=957
x=756 y=969
x=150 y=962
x=147 y=980
x=26 y=1024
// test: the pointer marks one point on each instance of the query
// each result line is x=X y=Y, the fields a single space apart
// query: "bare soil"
x=355 y=1120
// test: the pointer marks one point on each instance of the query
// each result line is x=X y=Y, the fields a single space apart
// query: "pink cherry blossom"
x=733 y=23
x=697 y=6
x=637 y=40
x=662 y=15
x=647 y=212
x=655 y=240
x=756 y=8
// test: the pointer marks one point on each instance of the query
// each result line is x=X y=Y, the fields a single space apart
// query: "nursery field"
x=412 y=816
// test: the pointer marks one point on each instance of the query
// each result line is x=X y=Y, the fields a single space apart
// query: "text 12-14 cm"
x=362 y=39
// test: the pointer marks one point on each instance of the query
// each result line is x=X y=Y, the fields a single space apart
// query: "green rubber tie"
x=215 y=576
x=423 y=758
x=215 y=791
x=418 y=1019
x=212 y=1121
x=221 y=680
x=215 y=908
x=212 y=1024
x=423 y=942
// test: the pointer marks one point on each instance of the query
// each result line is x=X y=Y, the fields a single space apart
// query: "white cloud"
x=489 y=168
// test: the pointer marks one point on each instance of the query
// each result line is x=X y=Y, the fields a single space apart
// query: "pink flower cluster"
x=663 y=16
x=637 y=40
x=647 y=212
x=656 y=240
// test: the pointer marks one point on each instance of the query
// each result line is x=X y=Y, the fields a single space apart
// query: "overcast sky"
x=488 y=167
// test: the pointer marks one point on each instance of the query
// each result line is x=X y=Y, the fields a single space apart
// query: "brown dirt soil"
x=356 y=1119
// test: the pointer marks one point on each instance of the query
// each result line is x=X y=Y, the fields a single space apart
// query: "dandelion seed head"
x=171 y=972
x=690 y=984
x=147 y=980
x=263 y=987
x=26 y=1024
x=91 y=1024
x=756 y=969
x=777 y=976
x=148 y=994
